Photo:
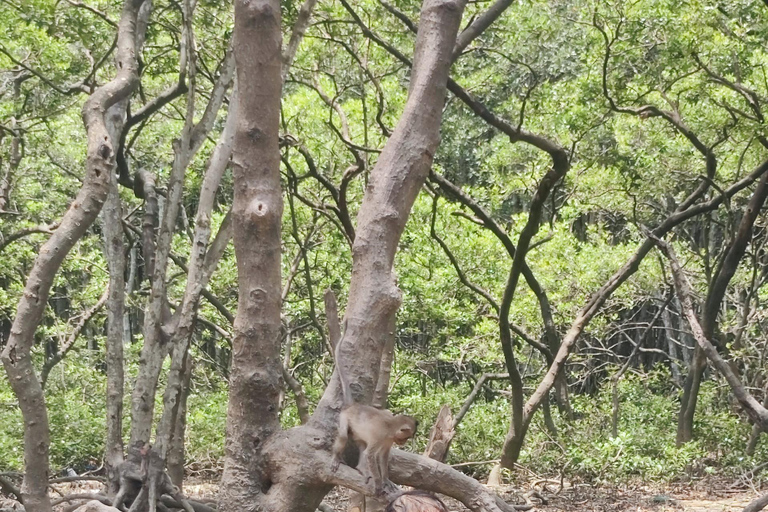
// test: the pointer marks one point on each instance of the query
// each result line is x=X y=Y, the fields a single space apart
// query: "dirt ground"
x=701 y=496
x=710 y=496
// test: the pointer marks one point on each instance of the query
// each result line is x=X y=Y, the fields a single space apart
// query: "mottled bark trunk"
x=80 y=215
x=255 y=379
x=295 y=464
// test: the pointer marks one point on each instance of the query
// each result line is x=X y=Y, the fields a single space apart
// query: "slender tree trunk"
x=161 y=331
x=82 y=212
x=176 y=450
x=716 y=292
x=114 y=250
x=690 y=396
x=15 y=156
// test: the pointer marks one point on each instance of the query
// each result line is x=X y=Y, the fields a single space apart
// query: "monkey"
x=373 y=430
x=416 y=501
x=133 y=474
x=141 y=464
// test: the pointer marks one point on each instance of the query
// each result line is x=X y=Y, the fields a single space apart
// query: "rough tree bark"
x=80 y=215
x=255 y=378
x=114 y=251
x=294 y=465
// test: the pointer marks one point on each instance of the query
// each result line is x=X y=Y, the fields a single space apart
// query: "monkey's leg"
x=341 y=441
x=374 y=468
x=384 y=463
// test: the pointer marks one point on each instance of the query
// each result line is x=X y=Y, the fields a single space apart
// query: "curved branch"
x=479 y=25
x=48 y=230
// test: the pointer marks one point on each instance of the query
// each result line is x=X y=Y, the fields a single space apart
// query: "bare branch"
x=752 y=407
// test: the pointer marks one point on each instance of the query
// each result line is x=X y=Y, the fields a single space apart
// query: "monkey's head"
x=405 y=430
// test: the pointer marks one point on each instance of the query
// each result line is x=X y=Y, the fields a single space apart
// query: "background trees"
x=569 y=131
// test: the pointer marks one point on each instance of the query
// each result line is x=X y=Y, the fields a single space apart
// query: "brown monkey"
x=373 y=430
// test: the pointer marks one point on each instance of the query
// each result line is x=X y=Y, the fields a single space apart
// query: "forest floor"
x=710 y=495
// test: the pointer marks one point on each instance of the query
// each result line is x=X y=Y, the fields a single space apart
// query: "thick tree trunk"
x=297 y=470
x=255 y=379
x=82 y=212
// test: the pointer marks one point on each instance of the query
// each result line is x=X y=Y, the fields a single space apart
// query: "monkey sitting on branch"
x=373 y=430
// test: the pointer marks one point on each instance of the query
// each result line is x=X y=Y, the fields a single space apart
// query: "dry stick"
x=76 y=331
x=78 y=218
x=756 y=412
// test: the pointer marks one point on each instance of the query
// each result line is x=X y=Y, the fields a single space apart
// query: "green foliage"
x=627 y=171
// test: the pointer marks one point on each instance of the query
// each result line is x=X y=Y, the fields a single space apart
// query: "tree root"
x=757 y=505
